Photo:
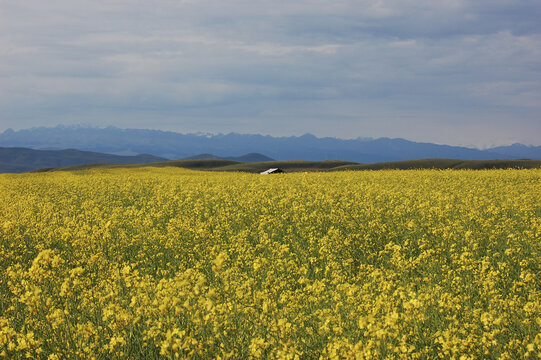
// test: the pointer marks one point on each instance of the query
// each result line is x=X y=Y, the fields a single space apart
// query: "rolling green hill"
x=446 y=164
x=22 y=159
x=328 y=165
x=17 y=160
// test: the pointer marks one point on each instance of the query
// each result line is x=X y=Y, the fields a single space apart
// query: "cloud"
x=368 y=68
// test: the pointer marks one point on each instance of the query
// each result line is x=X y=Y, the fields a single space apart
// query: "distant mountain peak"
x=307 y=136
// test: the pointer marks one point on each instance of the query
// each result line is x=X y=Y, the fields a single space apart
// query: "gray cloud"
x=455 y=71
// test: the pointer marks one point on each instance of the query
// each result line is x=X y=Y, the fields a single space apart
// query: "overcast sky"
x=447 y=71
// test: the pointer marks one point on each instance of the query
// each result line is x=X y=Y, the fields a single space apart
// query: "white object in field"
x=271 y=171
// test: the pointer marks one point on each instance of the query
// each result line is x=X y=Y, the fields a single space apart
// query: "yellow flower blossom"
x=179 y=264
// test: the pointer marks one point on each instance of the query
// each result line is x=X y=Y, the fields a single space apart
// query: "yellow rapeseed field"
x=168 y=263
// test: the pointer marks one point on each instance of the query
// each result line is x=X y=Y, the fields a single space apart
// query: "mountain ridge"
x=172 y=145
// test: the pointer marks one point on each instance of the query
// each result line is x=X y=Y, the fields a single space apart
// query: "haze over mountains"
x=171 y=145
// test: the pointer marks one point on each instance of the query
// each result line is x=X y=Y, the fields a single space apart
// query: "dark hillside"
x=23 y=159
x=196 y=164
x=288 y=166
x=327 y=165
x=446 y=164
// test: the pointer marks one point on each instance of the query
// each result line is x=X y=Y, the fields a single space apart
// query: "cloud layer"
x=456 y=72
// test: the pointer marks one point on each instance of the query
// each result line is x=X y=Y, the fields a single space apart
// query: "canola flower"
x=175 y=264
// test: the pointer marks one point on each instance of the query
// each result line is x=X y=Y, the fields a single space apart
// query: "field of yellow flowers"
x=168 y=263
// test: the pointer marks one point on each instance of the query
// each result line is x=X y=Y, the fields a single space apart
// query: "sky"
x=452 y=72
